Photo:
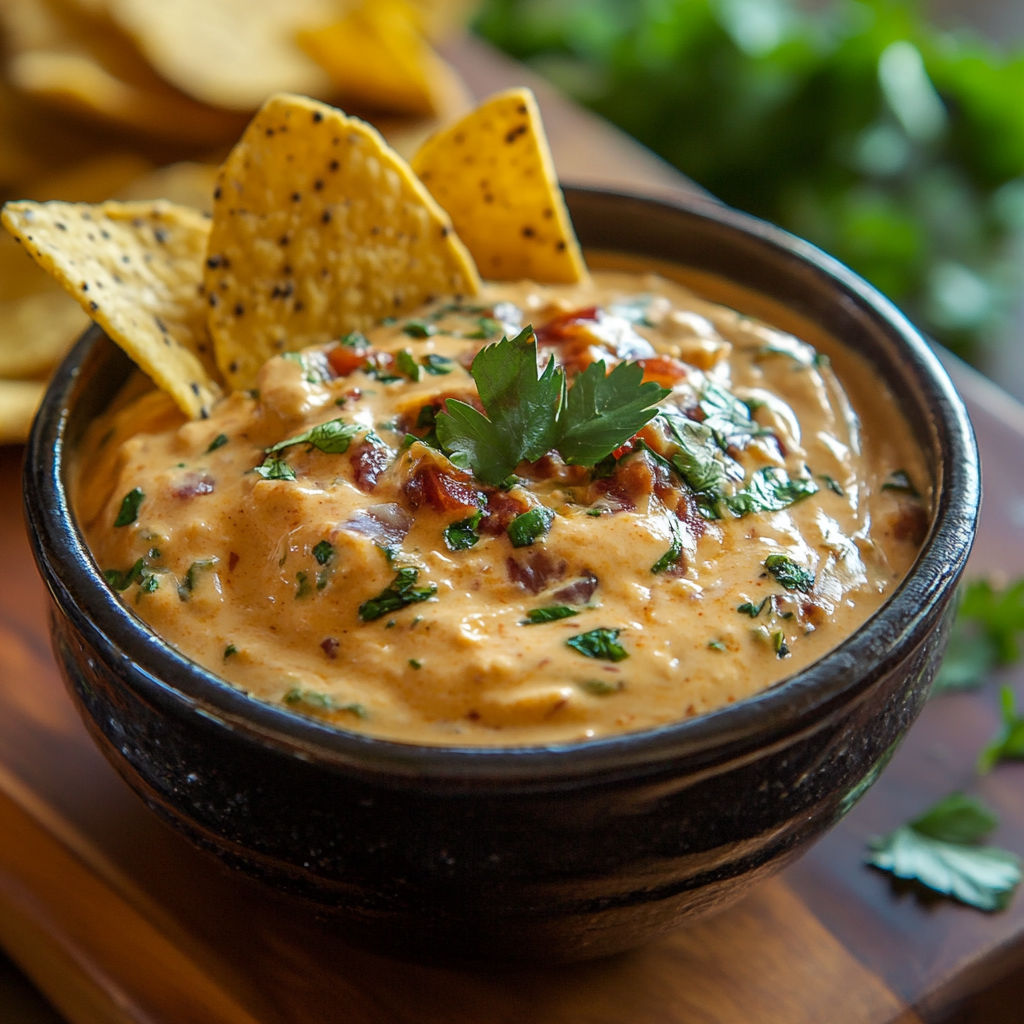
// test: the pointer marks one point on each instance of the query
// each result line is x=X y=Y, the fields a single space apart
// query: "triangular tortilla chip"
x=492 y=172
x=136 y=269
x=319 y=229
x=378 y=59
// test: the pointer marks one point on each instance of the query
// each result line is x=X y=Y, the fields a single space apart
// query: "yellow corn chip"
x=492 y=172
x=19 y=400
x=36 y=331
x=136 y=269
x=228 y=53
x=378 y=58
x=319 y=229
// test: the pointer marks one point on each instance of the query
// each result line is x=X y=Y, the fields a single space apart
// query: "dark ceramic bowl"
x=567 y=851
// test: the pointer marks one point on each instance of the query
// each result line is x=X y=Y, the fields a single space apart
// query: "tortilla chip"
x=228 y=53
x=378 y=59
x=136 y=269
x=19 y=400
x=85 y=65
x=36 y=331
x=319 y=229
x=492 y=172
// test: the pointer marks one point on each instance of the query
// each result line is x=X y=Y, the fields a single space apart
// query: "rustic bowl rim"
x=173 y=682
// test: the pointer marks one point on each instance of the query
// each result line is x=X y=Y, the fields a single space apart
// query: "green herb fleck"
x=303 y=589
x=527 y=528
x=832 y=484
x=317 y=701
x=323 y=552
x=314 y=369
x=229 y=651
x=415 y=663
x=435 y=365
x=462 y=535
x=753 y=610
x=419 y=329
x=153 y=553
x=1008 y=743
x=790 y=574
x=901 y=483
x=940 y=850
x=770 y=490
x=332 y=437
x=675 y=551
x=218 y=442
x=129 y=511
x=779 y=644
x=717 y=645
x=150 y=582
x=551 y=613
x=274 y=468
x=408 y=365
x=355 y=340
x=123 y=580
x=595 y=512
x=601 y=687
x=486 y=329
x=188 y=584
x=399 y=593
x=599 y=643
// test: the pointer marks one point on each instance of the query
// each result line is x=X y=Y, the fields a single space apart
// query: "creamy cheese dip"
x=736 y=539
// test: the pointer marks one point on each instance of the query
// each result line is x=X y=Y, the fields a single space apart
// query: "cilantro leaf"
x=315 y=369
x=129 y=510
x=604 y=409
x=792 y=575
x=317 y=701
x=529 y=527
x=435 y=365
x=753 y=610
x=188 y=584
x=462 y=535
x=602 y=644
x=408 y=365
x=1009 y=741
x=551 y=613
x=123 y=580
x=275 y=469
x=419 y=329
x=323 y=551
x=675 y=551
x=937 y=851
x=727 y=417
x=399 y=593
x=770 y=490
x=332 y=437
x=601 y=687
x=218 y=442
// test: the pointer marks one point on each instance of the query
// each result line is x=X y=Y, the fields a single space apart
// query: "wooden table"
x=116 y=918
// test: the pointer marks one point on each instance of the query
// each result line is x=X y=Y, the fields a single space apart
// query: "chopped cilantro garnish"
x=717 y=645
x=419 y=329
x=529 y=414
x=323 y=552
x=753 y=610
x=314 y=366
x=408 y=365
x=218 y=442
x=770 y=490
x=832 y=484
x=332 y=437
x=779 y=644
x=1008 y=743
x=675 y=551
x=486 y=329
x=551 y=613
x=303 y=589
x=150 y=582
x=436 y=365
x=129 y=510
x=188 y=584
x=415 y=663
x=355 y=340
x=698 y=461
x=321 y=702
x=599 y=643
x=275 y=469
x=900 y=482
x=530 y=526
x=399 y=593
x=790 y=574
x=123 y=580
x=727 y=417
x=602 y=687
x=940 y=850
x=595 y=512
x=229 y=650
x=462 y=535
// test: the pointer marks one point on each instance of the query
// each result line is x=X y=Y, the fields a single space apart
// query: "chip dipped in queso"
x=519 y=513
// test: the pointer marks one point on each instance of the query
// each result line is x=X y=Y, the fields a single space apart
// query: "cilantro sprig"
x=530 y=411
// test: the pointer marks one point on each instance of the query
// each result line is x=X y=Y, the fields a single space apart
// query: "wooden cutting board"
x=117 y=919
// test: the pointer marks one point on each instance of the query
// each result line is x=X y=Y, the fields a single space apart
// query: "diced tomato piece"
x=345 y=360
x=567 y=326
x=443 y=491
x=664 y=370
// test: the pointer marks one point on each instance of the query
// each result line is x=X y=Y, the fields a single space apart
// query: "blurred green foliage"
x=893 y=145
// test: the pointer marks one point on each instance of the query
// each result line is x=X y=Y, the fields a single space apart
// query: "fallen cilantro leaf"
x=753 y=610
x=129 y=510
x=717 y=645
x=275 y=469
x=188 y=584
x=604 y=409
x=552 y=613
x=323 y=552
x=601 y=687
x=832 y=484
x=938 y=851
x=399 y=593
x=675 y=551
x=602 y=644
x=770 y=490
x=419 y=329
x=727 y=417
x=317 y=701
x=332 y=437
x=462 y=535
x=1009 y=742
x=790 y=574
x=218 y=442
x=408 y=365
x=436 y=365
x=529 y=527
x=698 y=460
x=123 y=580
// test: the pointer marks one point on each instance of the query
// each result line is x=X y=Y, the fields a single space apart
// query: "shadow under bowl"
x=562 y=852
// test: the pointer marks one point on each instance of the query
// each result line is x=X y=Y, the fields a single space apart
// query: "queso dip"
x=310 y=543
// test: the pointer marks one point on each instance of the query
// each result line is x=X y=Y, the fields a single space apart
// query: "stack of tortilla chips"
x=141 y=99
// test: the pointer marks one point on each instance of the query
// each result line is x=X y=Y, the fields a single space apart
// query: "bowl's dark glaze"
x=564 y=852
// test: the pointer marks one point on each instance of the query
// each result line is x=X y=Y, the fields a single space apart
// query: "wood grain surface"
x=117 y=919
